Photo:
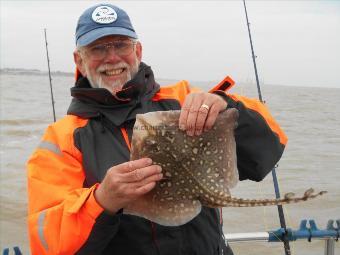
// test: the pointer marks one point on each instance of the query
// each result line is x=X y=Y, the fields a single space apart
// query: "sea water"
x=309 y=116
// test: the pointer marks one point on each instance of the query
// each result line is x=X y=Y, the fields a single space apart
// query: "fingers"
x=152 y=178
x=124 y=183
x=141 y=174
x=211 y=118
x=196 y=118
x=146 y=185
x=140 y=181
x=190 y=111
x=199 y=112
x=143 y=186
x=133 y=177
x=145 y=189
x=202 y=118
x=133 y=165
x=185 y=113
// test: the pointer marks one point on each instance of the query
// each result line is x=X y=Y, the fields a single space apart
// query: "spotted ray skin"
x=197 y=170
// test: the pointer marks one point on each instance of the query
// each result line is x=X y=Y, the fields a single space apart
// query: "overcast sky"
x=297 y=42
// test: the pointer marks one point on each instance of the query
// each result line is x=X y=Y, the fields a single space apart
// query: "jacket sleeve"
x=260 y=141
x=61 y=213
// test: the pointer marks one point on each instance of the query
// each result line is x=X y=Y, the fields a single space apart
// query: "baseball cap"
x=103 y=20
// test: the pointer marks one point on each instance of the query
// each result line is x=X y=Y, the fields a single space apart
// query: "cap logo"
x=104 y=15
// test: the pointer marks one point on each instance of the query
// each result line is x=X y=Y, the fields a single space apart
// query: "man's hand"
x=126 y=182
x=199 y=112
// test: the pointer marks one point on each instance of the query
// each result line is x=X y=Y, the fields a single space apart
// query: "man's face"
x=109 y=62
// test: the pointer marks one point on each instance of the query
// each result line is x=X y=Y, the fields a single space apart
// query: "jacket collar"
x=91 y=102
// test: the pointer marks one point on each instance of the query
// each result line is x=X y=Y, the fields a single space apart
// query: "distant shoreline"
x=23 y=71
x=33 y=72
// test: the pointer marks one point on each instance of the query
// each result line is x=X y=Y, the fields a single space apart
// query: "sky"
x=296 y=42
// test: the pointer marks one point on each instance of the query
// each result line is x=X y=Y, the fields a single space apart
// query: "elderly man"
x=80 y=178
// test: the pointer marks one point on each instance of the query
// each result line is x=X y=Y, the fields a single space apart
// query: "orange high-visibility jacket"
x=76 y=151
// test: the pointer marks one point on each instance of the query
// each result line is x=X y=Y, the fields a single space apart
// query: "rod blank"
x=49 y=75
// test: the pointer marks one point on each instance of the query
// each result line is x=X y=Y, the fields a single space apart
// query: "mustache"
x=105 y=67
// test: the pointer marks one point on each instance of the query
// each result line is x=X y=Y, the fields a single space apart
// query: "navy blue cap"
x=103 y=20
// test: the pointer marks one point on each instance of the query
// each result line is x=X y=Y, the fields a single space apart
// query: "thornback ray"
x=198 y=170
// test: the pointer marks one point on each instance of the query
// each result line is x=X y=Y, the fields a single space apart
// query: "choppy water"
x=309 y=116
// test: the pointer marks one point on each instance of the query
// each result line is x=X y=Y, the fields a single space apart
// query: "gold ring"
x=205 y=106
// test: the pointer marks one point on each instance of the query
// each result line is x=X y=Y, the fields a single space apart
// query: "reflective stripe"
x=41 y=220
x=50 y=146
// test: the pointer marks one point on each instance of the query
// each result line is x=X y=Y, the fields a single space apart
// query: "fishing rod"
x=49 y=75
x=275 y=181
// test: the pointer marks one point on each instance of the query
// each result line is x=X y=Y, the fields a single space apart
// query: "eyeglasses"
x=120 y=47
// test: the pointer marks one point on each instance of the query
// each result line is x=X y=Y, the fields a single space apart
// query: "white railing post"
x=329 y=246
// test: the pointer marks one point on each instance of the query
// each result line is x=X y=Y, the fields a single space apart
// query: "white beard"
x=96 y=80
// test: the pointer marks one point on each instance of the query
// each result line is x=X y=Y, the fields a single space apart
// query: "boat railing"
x=308 y=230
